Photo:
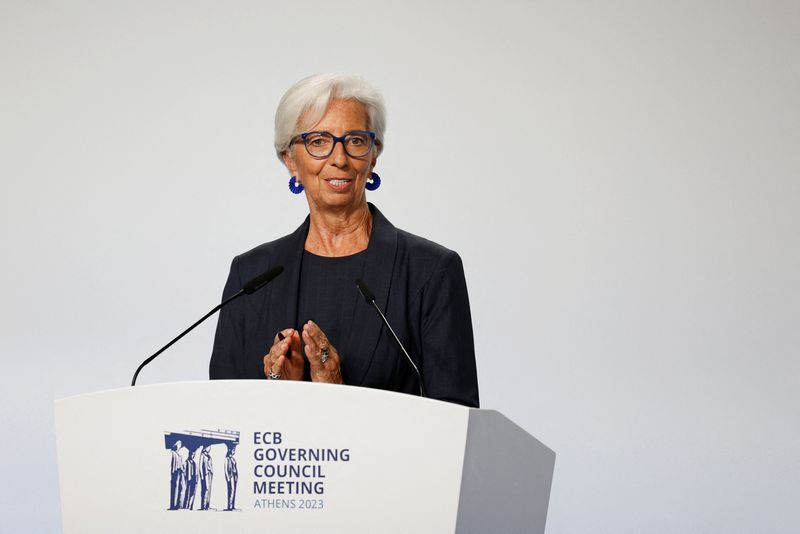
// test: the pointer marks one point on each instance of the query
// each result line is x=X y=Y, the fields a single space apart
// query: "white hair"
x=309 y=99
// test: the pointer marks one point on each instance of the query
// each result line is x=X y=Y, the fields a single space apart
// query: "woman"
x=329 y=134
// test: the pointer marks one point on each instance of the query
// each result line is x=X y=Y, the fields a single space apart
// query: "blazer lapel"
x=278 y=309
x=366 y=326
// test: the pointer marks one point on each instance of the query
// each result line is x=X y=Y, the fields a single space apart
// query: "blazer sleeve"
x=229 y=338
x=448 y=350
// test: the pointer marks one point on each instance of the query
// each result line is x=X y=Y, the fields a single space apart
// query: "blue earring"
x=374 y=182
x=294 y=187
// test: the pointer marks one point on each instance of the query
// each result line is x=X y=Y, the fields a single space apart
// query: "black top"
x=327 y=289
x=418 y=284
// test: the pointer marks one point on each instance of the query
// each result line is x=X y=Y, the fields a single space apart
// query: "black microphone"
x=249 y=288
x=370 y=299
x=260 y=281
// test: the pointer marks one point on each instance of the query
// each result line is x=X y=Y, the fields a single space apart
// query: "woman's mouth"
x=339 y=184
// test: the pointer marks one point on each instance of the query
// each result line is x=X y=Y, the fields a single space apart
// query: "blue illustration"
x=206 y=475
x=190 y=471
x=231 y=476
x=176 y=477
x=197 y=468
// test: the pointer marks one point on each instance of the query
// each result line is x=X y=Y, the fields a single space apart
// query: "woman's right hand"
x=276 y=362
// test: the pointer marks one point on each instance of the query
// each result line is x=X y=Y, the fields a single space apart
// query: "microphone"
x=369 y=297
x=259 y=281
x=248 y=289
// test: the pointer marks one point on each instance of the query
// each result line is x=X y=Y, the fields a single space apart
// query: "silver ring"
x=325 y=354
x=273 y=376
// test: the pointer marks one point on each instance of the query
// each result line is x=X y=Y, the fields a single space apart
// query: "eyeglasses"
x=356 y=143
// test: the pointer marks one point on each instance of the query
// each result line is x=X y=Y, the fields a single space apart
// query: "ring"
x=325 y=354
x=273 y=376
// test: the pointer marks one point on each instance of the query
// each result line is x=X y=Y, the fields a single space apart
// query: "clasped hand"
x=286 y=361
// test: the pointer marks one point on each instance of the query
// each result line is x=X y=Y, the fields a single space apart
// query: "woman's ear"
x=289 y=162
x=376 y=152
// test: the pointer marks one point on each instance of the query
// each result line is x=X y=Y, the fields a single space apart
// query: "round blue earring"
x=294 y=187
x=374 y=182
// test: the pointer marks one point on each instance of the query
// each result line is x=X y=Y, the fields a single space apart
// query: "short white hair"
x=309 y=99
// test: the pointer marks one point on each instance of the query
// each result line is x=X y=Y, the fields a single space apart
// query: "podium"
x=277 y=456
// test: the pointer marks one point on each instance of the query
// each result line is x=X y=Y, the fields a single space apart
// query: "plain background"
x=620 y=178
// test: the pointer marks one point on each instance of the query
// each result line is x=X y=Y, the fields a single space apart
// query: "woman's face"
x=336 y=182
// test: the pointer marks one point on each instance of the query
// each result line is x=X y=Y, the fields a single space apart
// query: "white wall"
x=620 y=178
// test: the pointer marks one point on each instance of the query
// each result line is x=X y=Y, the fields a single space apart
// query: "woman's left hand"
x=323 y=357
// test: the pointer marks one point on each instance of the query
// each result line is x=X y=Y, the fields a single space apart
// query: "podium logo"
x=191 y=469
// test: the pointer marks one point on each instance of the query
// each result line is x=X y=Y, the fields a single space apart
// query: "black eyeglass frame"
x=304 y=136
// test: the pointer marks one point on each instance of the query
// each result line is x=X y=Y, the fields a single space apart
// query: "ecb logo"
x=191 y=472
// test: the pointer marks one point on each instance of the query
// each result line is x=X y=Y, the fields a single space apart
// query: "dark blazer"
x=418 y=284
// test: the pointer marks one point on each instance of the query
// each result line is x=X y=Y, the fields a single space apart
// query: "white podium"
x=271 y=456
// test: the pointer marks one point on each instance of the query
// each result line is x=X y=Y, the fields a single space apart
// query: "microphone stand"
x=250 y=287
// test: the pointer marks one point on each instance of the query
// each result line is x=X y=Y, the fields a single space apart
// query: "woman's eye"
x=357 y=141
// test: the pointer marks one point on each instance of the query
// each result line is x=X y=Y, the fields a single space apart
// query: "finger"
x=269 y=361
x=292 y=338
x=319 y=337
x=294 y=342
x=286 y=348
x=294 y=334
x=311 y=348
x=275 y=370
x=269 y=357
x=317 y=333
x=319 y=351
x=275 y=351
x=286 y=332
